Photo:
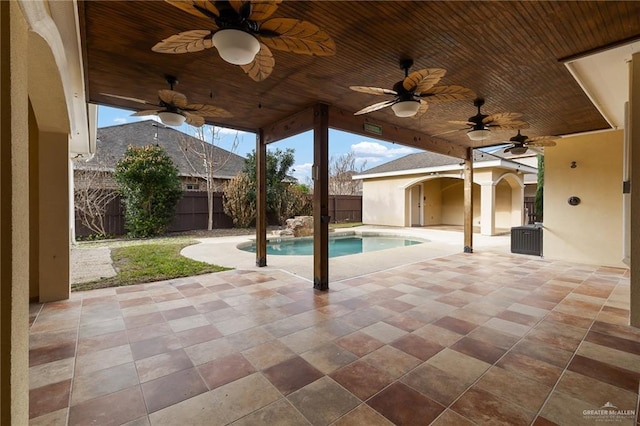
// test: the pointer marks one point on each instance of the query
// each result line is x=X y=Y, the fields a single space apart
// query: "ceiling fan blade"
x=375 y=107
x=447 y=93
x=127 y=98
x=258 y=10
x=199 y=8
x=293 y=35
x=424 y=106
x=462 y=123
x=423 y=80
x=541 y=143
x=541 y=138
x=185 y=42
x=373 y=90
x=206 y=110
x=172 y=98
x=193 y=119
x=261 y=66
x=501 y=117
x=146 y=112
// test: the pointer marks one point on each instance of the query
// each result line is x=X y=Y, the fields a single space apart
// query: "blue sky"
x=371 y=151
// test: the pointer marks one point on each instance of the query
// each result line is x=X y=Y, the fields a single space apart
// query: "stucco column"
x=51 y=206
x=14 y=217
x=468 y=201
x=634 y=141
x=487 y=208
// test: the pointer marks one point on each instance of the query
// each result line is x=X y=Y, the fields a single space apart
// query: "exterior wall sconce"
x=574 y=165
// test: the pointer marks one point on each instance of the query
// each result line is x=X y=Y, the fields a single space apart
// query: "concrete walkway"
x=224 y=252
x=88 y=264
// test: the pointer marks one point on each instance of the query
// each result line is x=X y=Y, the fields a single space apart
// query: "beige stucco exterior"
x=391 y=199
x=42 y=114
x=592 y=231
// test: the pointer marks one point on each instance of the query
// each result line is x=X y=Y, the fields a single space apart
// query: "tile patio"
x=488 y=338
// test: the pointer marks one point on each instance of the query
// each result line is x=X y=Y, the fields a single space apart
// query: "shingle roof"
x=113 y=142
x=423 y=160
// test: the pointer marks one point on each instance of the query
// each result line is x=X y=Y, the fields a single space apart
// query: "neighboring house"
x=185 y=151
x=426 y=189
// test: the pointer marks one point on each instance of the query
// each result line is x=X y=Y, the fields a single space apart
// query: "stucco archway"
x=438 y=200
x=509 y=204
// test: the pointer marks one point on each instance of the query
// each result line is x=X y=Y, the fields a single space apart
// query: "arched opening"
x=49 y=173
x=438 y=201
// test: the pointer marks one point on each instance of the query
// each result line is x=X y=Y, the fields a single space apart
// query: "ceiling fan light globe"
x=235 y=46
x=171 y=118
x=478 y=134
x=405 y=108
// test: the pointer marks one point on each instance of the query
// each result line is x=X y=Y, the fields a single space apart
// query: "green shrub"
x=149 y=184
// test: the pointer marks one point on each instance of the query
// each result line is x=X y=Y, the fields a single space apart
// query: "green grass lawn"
x=344 y=225
x=147 y=260
x=144 y=261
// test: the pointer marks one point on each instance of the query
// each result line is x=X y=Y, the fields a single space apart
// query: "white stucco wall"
x=387 y=200
x=383 y=201
x=592 y=231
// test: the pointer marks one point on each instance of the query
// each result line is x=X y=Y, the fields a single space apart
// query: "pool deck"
x=222 y=251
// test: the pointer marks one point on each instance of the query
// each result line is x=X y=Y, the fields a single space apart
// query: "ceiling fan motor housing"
x=518 y=149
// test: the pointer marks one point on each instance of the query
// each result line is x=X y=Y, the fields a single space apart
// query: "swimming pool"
x=338 y=246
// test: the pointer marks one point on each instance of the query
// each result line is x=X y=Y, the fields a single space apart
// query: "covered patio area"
x=488 y=338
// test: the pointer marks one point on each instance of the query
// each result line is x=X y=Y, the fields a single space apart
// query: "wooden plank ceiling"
x=507 y=52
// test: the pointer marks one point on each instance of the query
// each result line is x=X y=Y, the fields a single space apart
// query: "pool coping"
x=223 y=251
x=332 y=236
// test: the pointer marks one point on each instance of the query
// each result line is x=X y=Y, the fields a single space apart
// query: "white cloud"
x=302 y=172
x=373 y=152
x=120 y=120
x=377 y=150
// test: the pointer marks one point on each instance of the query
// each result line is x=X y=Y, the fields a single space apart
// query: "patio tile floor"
x=488 y=338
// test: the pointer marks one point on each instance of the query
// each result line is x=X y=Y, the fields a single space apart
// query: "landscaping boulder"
x=301 y=226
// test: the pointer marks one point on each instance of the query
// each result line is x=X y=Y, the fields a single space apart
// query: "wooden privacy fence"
x=345 y=208
x=530 y=208
x=192 y=213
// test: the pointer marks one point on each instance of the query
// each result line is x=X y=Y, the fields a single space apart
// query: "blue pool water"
x=339 y=246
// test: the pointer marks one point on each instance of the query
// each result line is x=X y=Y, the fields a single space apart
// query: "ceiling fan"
x=244 y=37
x=480 y=125
x=410 y=95
x=520 y=143
x=172 y=107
